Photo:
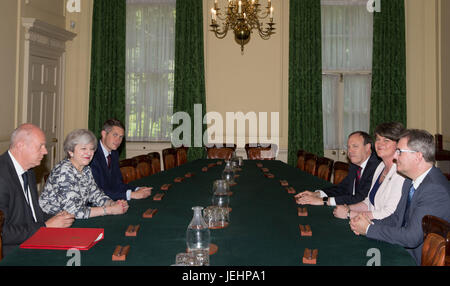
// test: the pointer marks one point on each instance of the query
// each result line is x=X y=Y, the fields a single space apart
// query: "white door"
x=43 y=110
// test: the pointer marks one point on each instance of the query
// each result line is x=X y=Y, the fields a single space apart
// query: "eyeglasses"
x=400 y=151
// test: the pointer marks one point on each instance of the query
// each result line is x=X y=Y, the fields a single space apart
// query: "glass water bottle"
x=198 y=237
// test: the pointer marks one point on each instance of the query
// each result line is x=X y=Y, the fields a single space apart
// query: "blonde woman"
x=71 y=186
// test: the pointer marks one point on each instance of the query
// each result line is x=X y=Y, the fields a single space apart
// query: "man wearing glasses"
x=426 y=192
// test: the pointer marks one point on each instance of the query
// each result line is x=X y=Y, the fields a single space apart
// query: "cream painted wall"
x=255 y=81
x=8 y=69
x=444 y=21
x=78 y=67
x=11 y=55
x=428 y=66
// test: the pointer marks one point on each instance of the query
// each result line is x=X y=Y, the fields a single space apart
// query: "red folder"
x=64 y=238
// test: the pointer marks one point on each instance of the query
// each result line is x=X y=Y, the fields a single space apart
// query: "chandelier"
x=242 y=17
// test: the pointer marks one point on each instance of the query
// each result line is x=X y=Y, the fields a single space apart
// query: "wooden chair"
x=169 y=158
x=310 y=163
x=127 y=163
x=340 y=171
x=2 y=219
x=301 y=159
x=143 y=166
x=261 y=151
x=181 y=155
x=220 y=151
x=324 y=168
x=155 y=162
x=436 y=246
x=128 y=174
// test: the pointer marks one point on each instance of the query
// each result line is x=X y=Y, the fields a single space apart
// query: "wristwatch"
x=348 y=214
x=325 y=201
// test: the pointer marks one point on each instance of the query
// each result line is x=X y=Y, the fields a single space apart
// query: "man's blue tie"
x=25 y=185
x=408 y=202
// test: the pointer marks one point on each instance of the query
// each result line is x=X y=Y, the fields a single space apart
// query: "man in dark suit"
x=355 y=187
x=105 y=165
x=426 y=192
x=18 y=190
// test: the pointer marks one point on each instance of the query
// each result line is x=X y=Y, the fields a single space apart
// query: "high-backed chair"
x=436 y=246
x=220 y=151
x=261 y=151
x=143 y=166
x=301 y=159
x=310 y=163
x=127 y=163
x=340 y=171
x=2 y=219
x=155 y=162
x=128 y=174
x=128 y=170
x=169 y=158
x=181 y=155
x=324 y=168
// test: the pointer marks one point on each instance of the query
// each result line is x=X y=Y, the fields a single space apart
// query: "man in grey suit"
x=18 y=190
x=426 y=192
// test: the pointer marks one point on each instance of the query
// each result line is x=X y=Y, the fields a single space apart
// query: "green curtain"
x=388 y=99
x=107 y=87
x=305 y=79
x=189 y=86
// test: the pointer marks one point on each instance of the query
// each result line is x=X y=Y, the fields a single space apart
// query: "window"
x=150 y=67
x=347 y=29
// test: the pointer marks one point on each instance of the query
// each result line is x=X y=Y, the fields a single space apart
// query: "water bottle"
x=198 y=237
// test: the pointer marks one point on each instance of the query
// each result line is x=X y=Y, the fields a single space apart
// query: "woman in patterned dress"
x=71 y=186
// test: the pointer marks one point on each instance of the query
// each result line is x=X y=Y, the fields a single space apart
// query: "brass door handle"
x=54 y=140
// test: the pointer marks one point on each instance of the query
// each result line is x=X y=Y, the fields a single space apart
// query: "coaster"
x=219 y=227
x=305 y=230
x=178 y=179
x=120 y=253
x=213 y=248
x=132 y=230
x=290 y=190
x=165 y=187
x=284 y=183
x=149 y=213
x=302 y=211
x=269 y=175
x=310 y=256
x=158 y=197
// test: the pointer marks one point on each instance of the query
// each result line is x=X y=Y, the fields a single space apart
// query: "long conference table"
x=263 y=229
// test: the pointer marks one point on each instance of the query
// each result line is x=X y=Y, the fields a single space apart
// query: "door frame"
x=47 y=41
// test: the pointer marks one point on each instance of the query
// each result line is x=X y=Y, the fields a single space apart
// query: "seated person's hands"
x=359 y=224
x=309 y=198
x=62 y=219
x=141 y=193
x=341 y=211
x=118 y=207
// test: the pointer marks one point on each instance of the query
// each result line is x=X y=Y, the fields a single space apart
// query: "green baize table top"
x=263 y=229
